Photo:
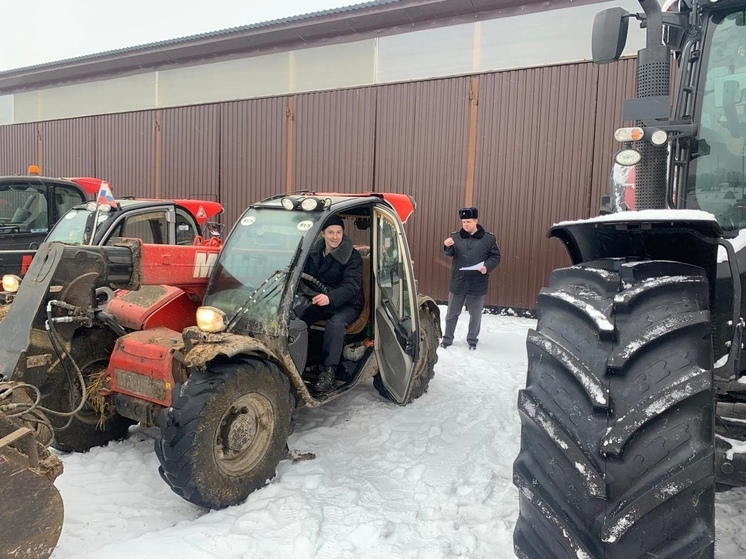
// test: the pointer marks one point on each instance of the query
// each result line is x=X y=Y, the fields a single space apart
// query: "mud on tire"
x=225 y=432
x=425 y=367
x=616 y=457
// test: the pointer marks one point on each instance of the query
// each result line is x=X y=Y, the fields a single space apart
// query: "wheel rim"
x=244 y=434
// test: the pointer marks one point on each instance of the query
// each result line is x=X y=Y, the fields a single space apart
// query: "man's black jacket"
x=341 y=271
x=468 y=250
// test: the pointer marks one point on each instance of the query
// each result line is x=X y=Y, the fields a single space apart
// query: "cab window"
x=151 y=227
x=392 y=281
x=64 y=199
x=186 y=228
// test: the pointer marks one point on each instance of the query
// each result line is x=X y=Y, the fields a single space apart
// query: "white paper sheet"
x=474 y=267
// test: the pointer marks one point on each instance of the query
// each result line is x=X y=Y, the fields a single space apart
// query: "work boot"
x=326 y=379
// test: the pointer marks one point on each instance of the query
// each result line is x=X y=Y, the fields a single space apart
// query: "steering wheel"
x=306 y=292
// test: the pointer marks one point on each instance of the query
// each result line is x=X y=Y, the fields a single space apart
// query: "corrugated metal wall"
x=528 y=147
x=333 y=140
x=17 y=148
x=253 y=152
x=125 y=152
x=421 y=151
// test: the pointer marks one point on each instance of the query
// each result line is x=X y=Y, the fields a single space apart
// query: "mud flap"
x=31 y=525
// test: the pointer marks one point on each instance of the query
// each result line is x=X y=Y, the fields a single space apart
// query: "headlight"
x=210 y=319
x=11 y=283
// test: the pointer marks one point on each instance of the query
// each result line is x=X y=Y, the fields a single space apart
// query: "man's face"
x=469 y=225
x=332 y=236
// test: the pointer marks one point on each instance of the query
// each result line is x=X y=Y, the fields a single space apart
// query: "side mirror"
x=609 y=35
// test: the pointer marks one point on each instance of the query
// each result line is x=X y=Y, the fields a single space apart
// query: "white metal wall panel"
x=6 y=109
x=118 y=95
x=424 y=54
x=547 y=38
x=261 y=76
x=333 y=66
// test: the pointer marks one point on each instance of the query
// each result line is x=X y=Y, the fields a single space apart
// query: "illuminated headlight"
x=629 y=134
x=11 y=283
x=310 y=204
x=289 y=203
x=210 y=319
x=628 y=157
x=659 y=137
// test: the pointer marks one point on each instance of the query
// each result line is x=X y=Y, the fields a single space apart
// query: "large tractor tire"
x=617 y=436
x=225 y=432
x=425 y=368
x=90 y=427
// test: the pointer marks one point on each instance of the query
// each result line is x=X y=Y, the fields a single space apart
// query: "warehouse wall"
x=529 y=147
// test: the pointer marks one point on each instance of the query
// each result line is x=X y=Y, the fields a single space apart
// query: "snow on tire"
x=617 y=444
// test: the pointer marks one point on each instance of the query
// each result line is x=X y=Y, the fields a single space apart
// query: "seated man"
x=335 y=263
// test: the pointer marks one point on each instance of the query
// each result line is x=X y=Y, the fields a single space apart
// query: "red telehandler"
x=207 y=343
x=634 y=410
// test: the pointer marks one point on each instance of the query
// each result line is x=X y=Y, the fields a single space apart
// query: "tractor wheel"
x=617 y=437
x=225 y=432
x=89 y=428
x=424 y=370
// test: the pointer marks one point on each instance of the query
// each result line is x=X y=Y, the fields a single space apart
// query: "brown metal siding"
x=616 y=82
x=539 y=147
x=422 y=136
x=333 y=141
x=253 y=144
x=533 y=169
x=67 y=147
x=190 y=151
x=125 y=152
x=17 y=148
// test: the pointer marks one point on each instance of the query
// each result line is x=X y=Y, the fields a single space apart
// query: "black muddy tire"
x=425 y=368
x=617 y=440
x=86 y=429
x=225 y=432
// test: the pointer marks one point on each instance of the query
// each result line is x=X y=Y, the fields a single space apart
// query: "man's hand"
x=321 y=300
x=448 y=242
x=483 y=270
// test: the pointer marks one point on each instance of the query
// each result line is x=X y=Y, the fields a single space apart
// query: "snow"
x=432 y=480
x=645 y=215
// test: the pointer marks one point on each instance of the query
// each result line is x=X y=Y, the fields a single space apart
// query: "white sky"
x=41 y=31
x=431 y=480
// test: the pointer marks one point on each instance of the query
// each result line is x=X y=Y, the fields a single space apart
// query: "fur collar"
x=341 y=254
x=478 y=234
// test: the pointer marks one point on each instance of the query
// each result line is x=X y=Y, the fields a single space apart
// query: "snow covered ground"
x=428 y=481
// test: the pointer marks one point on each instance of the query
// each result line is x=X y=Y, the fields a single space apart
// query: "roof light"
x=629 y=134
x=289 y=202
x=659 y=137
x=310 y=204
x=34 y=170
x=628 y=157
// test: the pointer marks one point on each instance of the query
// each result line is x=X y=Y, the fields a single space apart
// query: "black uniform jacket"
x=468 y=250
x=341 y=271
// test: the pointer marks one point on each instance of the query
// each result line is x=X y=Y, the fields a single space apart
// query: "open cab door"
x=395 y=303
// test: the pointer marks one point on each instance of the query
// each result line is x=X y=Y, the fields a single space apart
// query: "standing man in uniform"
x=475 y=255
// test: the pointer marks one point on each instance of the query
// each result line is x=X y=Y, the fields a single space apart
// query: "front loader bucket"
x=31 y=510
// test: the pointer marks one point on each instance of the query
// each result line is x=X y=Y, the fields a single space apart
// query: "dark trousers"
x=475 y=304
x=337 y=322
